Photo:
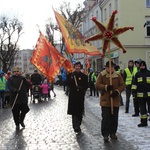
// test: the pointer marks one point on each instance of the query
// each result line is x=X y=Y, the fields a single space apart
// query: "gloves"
x=134 y=95
x=16 y=91
x=110 y=87
x=78 y=87
x=114 y=94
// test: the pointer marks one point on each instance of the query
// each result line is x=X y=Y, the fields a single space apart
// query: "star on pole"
x=108 y=34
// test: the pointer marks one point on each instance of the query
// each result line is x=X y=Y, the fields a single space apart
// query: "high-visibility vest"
x=2 y=83
x=129 y=76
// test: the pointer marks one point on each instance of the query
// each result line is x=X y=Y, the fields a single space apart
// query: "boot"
x=143 y=123
x=127 y=110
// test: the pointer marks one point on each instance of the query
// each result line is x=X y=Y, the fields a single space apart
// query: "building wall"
x=130 y=13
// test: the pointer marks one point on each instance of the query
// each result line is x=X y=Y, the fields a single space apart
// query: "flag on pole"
x=87 y=63
x=47 y=59
x=73 y=39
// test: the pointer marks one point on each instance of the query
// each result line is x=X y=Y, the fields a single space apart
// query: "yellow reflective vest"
x=130 y=75
x=2 y=83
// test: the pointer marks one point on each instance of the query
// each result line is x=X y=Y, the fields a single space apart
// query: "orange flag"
x=47 y=59
x=73 y=38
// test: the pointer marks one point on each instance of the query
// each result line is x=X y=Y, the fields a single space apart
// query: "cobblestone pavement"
x=48 y=127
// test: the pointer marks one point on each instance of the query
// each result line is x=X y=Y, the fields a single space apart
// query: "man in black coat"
x=18 y=87
x=78 y=84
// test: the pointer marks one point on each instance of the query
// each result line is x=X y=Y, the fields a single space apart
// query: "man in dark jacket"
x=36 y=78
x=78 y=84
x=141 y=90
x=18 y=87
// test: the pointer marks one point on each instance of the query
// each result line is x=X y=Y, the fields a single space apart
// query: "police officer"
x=78 y=84
x=141 y=90
x=18 y=87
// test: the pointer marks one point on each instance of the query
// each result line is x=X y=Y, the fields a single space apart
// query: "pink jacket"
x=44 y=88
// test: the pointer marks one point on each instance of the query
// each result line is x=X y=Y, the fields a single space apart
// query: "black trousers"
x=128 y=94
x=92 y=88
x=76 y=121
x=19 y=112
x=144 y=103
x=109 y=122
x=136 y=106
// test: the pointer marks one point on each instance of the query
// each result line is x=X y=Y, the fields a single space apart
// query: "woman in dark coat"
x=78 y=84
x=18 y=87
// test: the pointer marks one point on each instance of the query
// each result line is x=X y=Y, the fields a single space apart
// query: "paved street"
x=48 y=127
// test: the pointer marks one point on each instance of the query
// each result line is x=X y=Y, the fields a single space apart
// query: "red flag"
x=47 y=59
x=87 y=63
x=74 y=40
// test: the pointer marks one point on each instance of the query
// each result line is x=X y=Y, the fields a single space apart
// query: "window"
x=116 y=4
x=147 y=26
x=105 y=13
x=147 y=3
x=110 y=11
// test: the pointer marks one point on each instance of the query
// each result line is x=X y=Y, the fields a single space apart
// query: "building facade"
x=130 y=13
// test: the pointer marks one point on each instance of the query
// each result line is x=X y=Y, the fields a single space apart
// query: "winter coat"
x=102 y=81
x=141 y=84
x=76 y=95
x=13 y=85
x=45 y=88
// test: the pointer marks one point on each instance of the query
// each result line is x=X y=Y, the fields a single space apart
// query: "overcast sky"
x=32 y=13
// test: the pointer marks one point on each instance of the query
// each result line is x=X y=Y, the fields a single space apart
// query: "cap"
x=15 y=68
x=107 y=64
x=91 y=70
x=143 y=63
x=1 y=72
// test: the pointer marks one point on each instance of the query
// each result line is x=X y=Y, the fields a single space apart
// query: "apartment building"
x=22 y=59
x=134 y=13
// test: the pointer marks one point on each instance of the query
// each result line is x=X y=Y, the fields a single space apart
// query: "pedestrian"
x=45 y=89
x=128 y=75
x=91 y=82
x=95 y=78
x=141 y=91
x=52 y=88
x=2 y=89
x=64 y=78
x=135 y=100
x=36 y=78
x=109 y=91
x=78 y=84
x=18 y=87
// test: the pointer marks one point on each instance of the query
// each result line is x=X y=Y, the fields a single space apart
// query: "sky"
x=33 y=14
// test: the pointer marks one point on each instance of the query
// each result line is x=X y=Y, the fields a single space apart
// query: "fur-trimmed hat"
x=15 y=68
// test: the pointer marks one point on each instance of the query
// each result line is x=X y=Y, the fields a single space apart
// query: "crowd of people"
x=107 y=85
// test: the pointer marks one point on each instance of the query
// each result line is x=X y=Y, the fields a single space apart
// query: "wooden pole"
x=110 y=74
x=16 y=95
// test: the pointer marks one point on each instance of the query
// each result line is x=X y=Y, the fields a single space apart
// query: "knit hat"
x=15 y=68
x=138 y=60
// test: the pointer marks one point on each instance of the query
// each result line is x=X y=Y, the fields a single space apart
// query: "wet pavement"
x=48 y=127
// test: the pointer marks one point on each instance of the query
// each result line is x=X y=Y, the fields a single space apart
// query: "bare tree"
x=10 y=32
x=75 y=17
